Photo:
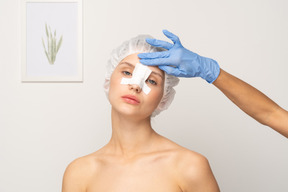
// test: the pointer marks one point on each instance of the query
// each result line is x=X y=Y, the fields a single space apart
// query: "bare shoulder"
x=182 y=154
x=191 y=164
x=78 y=173
x=192 y=170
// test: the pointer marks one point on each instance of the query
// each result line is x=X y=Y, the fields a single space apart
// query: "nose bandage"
x=140 y=74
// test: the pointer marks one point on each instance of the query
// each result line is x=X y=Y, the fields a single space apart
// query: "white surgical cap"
x=138 y=44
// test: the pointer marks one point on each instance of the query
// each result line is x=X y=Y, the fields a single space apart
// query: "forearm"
x=253 y=102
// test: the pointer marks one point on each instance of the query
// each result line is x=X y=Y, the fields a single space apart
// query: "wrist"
x=211 y=70
x=219 y=78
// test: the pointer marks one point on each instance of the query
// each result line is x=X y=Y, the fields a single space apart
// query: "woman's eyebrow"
x=131 y=65
x=156 y=73
x=127 y=63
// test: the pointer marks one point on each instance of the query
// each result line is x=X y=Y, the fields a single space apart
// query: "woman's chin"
x=132 y=113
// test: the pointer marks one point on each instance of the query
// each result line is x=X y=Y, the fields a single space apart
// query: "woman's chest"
x=148 y=177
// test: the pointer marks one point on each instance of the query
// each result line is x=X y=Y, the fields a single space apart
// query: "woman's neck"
x=131 y=136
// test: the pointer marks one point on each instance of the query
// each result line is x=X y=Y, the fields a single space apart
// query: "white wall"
x=44 y=126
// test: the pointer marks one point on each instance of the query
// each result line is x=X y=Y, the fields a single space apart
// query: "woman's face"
x=130 y=99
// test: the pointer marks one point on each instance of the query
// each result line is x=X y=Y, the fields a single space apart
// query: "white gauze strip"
x=140 y=74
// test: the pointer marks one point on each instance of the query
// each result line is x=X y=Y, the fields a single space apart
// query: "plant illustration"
x=52 y=45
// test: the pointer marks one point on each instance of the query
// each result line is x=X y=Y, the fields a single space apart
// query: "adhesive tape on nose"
x=140 y=74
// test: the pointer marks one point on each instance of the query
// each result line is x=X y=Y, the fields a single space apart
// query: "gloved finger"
x=171 y=36
x=159 y=43
x=170 y=70
x=153 y=55
x=155 y=62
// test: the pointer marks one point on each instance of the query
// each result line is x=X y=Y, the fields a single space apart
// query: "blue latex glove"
x=179 y=61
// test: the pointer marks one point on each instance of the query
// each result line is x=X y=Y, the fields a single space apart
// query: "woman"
x=137 y=158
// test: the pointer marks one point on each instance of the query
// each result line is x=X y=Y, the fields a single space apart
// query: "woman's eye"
x=152 y=82
x=126 y=73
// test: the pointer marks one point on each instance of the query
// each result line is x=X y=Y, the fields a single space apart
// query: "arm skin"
x=253 y=102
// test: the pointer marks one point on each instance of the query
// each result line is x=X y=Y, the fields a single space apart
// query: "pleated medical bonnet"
x=138 y=44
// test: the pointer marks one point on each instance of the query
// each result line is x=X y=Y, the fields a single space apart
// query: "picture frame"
x=51 y=41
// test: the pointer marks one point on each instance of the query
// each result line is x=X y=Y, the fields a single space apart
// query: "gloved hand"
x=179 y=61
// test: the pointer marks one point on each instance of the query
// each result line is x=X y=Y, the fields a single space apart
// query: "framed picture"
x=51 y=40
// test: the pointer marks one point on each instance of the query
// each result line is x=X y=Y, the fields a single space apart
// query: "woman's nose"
x=136 y=87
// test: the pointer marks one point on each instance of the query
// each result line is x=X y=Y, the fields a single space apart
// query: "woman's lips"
x=131 y=99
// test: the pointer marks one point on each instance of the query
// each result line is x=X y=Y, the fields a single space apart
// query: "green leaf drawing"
x=52 y=45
